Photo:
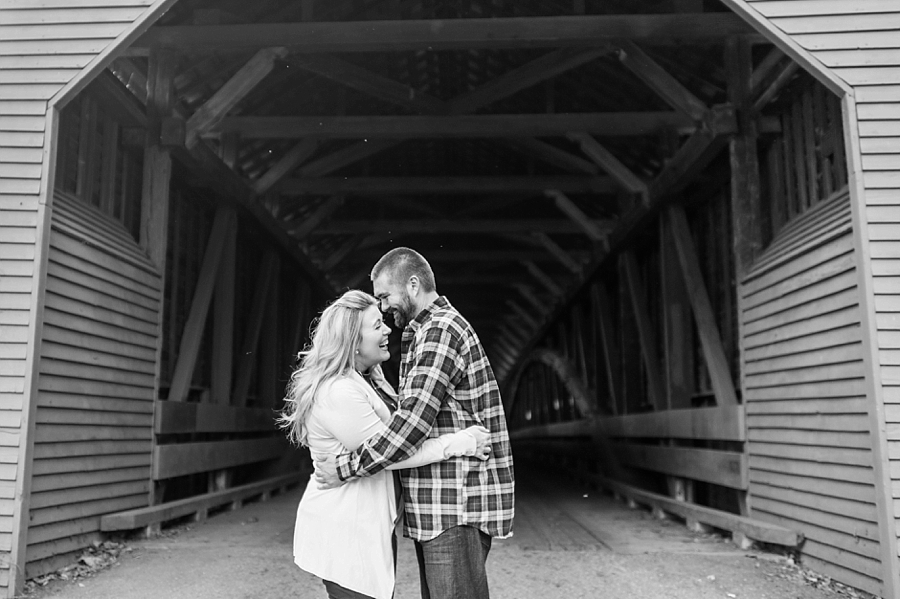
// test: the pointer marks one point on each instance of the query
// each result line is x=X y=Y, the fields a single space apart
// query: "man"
x=453 y=508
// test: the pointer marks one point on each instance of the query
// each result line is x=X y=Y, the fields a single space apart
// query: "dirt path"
x=568 y=544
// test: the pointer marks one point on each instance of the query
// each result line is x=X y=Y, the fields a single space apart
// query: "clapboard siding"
x=94 y=417
x=808 y=428
x=43 y=46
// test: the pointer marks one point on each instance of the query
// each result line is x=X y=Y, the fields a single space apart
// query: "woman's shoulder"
x=342 y=387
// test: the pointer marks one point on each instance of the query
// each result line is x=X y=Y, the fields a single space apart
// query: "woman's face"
x=373 y=347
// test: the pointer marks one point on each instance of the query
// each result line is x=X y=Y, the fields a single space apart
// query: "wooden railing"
x=259 y=443
x=647 y=442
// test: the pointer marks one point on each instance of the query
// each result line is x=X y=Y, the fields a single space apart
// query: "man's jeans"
x=451 y=566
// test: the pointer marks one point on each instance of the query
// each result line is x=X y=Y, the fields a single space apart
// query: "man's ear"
x=413 y=285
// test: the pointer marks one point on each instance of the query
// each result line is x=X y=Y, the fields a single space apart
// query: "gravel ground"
x=567 y=544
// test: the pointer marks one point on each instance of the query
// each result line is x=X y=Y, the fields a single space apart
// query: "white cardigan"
x=344 y=534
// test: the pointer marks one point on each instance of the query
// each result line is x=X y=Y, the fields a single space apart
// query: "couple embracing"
x=435 y=454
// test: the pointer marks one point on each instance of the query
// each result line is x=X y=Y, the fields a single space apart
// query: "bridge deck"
x=568 y=543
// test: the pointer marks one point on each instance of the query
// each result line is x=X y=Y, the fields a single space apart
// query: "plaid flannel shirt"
x=446 y=385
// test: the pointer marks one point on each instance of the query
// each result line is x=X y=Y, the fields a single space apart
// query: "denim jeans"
x=451 y=566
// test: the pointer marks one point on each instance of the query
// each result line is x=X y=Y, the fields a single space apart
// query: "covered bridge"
x=674 y=224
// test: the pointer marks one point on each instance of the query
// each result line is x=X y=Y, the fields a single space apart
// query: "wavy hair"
x=329 y=355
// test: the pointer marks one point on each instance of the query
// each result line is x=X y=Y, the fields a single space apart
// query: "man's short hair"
x=401 y=264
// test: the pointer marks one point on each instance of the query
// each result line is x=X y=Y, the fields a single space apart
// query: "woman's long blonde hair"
x=330 y=354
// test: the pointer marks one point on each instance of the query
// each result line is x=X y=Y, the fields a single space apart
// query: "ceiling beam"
x=445 y=185
x=233 y=91
x=557 y=252
x=578 y=218
x=287 y=163
x=519 y=78
x=447 y=34
x=604 y=159
x=457 y=126
x=507 y=225
x=309 y=222
x=659 y=80
x=369 y=82
x=552 y=155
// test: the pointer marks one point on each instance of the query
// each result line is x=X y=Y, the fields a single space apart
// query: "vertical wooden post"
x=677 y=327
x=746 y=214
x=223 y=322
x=268 y=348
x=155 y=199
x=645 y=330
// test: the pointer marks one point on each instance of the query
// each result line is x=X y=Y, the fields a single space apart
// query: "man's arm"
x=435 y=368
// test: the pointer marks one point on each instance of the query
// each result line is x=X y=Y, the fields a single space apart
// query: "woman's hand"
x=482 y=441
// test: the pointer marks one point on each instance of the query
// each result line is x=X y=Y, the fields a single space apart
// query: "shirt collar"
x=425 y=315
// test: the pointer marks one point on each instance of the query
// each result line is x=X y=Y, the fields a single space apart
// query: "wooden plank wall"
x=43 y=45
x=859 y=42
x=808 y=438
x=94 y=419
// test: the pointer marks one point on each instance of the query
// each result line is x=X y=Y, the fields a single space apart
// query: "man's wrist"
x=344 y=467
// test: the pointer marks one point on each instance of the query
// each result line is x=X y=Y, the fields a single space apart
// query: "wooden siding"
x=43 y=46
x=808 y=439
x=858 y=41
x=94 y=420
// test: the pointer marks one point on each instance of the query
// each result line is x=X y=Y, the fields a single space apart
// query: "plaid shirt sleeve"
x=435 y=366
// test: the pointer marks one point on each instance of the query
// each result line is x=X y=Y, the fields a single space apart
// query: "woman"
x=344 y=535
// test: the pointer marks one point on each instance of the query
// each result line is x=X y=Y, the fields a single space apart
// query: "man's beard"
x=404 y=312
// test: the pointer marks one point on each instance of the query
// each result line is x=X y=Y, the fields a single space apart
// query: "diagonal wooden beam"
x=528 y=293
x=444 y=185
x=707 y=329
x=505 y=85
x=575 y=214
x=232 y=92
x=291 y=160
x=522 y=313
x=544 y=279
x=322 y=213
x=619 y=124
x=368 y=82
x=637 y=296
x=540 y=69
x=557 y=252
x=192 y=336
x=265 y=280
x=204 y=164
x=659 y=80
x=337 y=256
x=601 y=310
x=609 y=163
x=447 y=34
x=552 y=155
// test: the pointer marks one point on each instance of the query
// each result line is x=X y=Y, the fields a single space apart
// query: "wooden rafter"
x=507 y=84
x=443 y=185
x=447 y=34
x=603 y=158
x=659 y=80
x=321 y=214
x=587 y=225
x=621 y=124
x=543 y=278
x=497 y=226
x=552 y=155
x=557 y=252
x=232 y=92
x=287 y=163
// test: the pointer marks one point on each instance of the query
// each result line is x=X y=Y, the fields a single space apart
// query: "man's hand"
x=326 y=472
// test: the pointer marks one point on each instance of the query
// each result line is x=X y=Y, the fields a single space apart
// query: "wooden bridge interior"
x=589 y=180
